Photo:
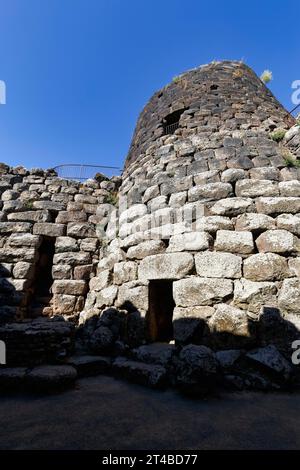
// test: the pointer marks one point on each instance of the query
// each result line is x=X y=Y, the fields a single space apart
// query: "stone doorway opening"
x=41 y=296
x=161 y=307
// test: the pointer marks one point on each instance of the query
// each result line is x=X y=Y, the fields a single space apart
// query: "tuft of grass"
x=266 y=76
x=290 y=160
x=112 y=199
x=176 y=79
x=238 y=73
x=278 y=135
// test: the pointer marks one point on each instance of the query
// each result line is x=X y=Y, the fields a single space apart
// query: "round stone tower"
x=203 y=247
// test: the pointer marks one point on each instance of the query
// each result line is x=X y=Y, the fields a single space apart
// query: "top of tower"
x=216 y=97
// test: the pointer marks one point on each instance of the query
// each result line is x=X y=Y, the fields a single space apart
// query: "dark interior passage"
x=161 y=307
x=41 y=289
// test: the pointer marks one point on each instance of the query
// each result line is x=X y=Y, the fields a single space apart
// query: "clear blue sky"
x=78 y=72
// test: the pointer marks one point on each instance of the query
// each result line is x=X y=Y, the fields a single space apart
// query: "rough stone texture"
x=223 y=265
x=265 y=267
x=277 y=241
x=166 y=266
x=201 y=291
x=235 y=242
x=289 y=296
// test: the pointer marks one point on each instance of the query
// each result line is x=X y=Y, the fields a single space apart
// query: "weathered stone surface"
x=102 y=340
x=49 y=205
x=193 y=241
x=252 y=296
x=48 y=229
x=61 y=271
x=228 y=319
x=14 y=227
x=134 y=212
x=17 y=254
x=72 y=258
x=254 y=222
x=155 y=353
x=294 y=266
x=83 y=272
x=147 y=248
x=233 y=206
x=69 y=287
x=232 y=175
x=124 y=272
x=133 y=297
x=266 y=267
x=106 y=296
x=23 y=270
x=289 y=296
x=277 y=241
x=154 y=376
x=166 y=266
x=277 y=205
x=211 y=191
x=269 y=358
x=264 y=173
x=200 y=291
x=289 y=222
x=30 y=216
x=89 y=244
x=66 y=244
x=228 y=357
x=24 y=240
x=255 y=188
x=189 y=322
x=235 y=242
x=101 y=281
x=87 y=366
x=196 y=369
x=290 y=188
x=213 y=223
x=223 y=265
x=78 y=230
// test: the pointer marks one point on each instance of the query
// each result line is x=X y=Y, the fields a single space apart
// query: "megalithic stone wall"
x=36 y=205
x=214 y=207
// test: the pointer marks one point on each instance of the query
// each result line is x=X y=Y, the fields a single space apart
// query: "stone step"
x=155 y=353
x=151 y=375
x=45 y=378
x=87 y=365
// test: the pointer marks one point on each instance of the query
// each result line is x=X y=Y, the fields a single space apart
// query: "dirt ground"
x=104 y=413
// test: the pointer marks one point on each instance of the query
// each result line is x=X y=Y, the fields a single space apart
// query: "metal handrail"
x=79 y=172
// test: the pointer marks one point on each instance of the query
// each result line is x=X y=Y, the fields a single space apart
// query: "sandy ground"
x=104 y=413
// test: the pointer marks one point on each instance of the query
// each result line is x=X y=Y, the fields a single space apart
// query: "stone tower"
x=206 y=232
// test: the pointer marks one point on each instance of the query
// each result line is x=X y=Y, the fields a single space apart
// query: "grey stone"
x=165 y=266
x=217 y=264
x=195 y=291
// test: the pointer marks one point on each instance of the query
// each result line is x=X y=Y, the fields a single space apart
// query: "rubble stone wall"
x=37 y=205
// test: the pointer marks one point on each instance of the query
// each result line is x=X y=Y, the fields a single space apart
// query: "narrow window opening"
x=161 y=307
x=171 y=122
x=43 y=280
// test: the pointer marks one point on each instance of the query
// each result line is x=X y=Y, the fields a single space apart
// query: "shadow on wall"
x=11 y=301
x=118 y=330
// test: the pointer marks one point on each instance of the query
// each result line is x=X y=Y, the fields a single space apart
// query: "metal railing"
x=295 y=111
x=77 y=172
x=171 y=128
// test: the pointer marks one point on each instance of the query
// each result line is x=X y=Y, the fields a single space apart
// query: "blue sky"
x=78 y=72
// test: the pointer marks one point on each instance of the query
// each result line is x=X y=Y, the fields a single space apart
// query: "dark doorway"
x=161 y=306
x=43 y=280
